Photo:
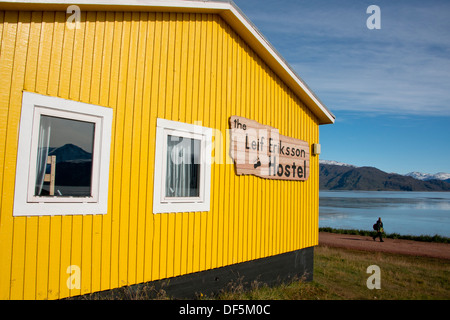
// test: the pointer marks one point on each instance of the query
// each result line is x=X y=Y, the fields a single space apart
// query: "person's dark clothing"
x=379 y=231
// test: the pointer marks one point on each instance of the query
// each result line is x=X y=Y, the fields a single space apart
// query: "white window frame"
x=25 y=202
x=163 y=204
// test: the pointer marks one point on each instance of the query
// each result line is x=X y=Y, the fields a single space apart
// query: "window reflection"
x=64 y=157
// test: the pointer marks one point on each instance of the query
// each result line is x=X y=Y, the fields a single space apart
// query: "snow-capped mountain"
x=429 y=176
x=341 y=176
x=336 y=163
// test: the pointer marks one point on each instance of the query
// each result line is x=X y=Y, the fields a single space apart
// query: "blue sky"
x=389 y=88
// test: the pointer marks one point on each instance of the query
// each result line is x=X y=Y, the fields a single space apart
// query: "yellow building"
x=115 y=161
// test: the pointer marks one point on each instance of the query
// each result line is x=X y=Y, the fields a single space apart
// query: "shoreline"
x=423 y=238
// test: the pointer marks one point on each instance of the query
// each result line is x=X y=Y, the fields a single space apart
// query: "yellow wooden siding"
x=177 y=66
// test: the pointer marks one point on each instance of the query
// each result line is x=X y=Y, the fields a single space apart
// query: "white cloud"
x=403 y=68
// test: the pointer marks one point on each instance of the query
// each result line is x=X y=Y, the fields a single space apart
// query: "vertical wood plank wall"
x=177 y=66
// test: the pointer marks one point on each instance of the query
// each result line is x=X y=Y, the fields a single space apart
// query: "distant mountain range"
x=341 y=176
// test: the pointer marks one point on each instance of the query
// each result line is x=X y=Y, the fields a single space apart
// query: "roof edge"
x=227 y=9
x=275 y=60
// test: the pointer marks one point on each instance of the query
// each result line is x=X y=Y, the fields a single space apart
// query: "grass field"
x=339 y=274
x=342 y=274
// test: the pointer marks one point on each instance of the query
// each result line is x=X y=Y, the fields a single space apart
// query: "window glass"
x=182 y=175
x=64 y=157
x=182 y=167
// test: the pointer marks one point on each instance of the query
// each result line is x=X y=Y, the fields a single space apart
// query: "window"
x=182 y=167
x=63 y=157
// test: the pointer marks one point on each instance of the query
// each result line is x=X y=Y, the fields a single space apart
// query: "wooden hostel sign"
x=260 y=150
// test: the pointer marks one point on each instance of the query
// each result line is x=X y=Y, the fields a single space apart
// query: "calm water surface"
x=414 y=213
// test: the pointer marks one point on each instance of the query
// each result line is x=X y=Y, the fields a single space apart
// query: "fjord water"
x=406 y=213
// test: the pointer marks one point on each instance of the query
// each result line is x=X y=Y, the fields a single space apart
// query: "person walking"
x=378 y=226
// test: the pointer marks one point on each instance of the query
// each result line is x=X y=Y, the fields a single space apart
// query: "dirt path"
x=417 y=248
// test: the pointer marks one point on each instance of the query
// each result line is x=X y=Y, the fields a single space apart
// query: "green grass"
x=425 y=238
x=342 y=274
x=338 y=274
